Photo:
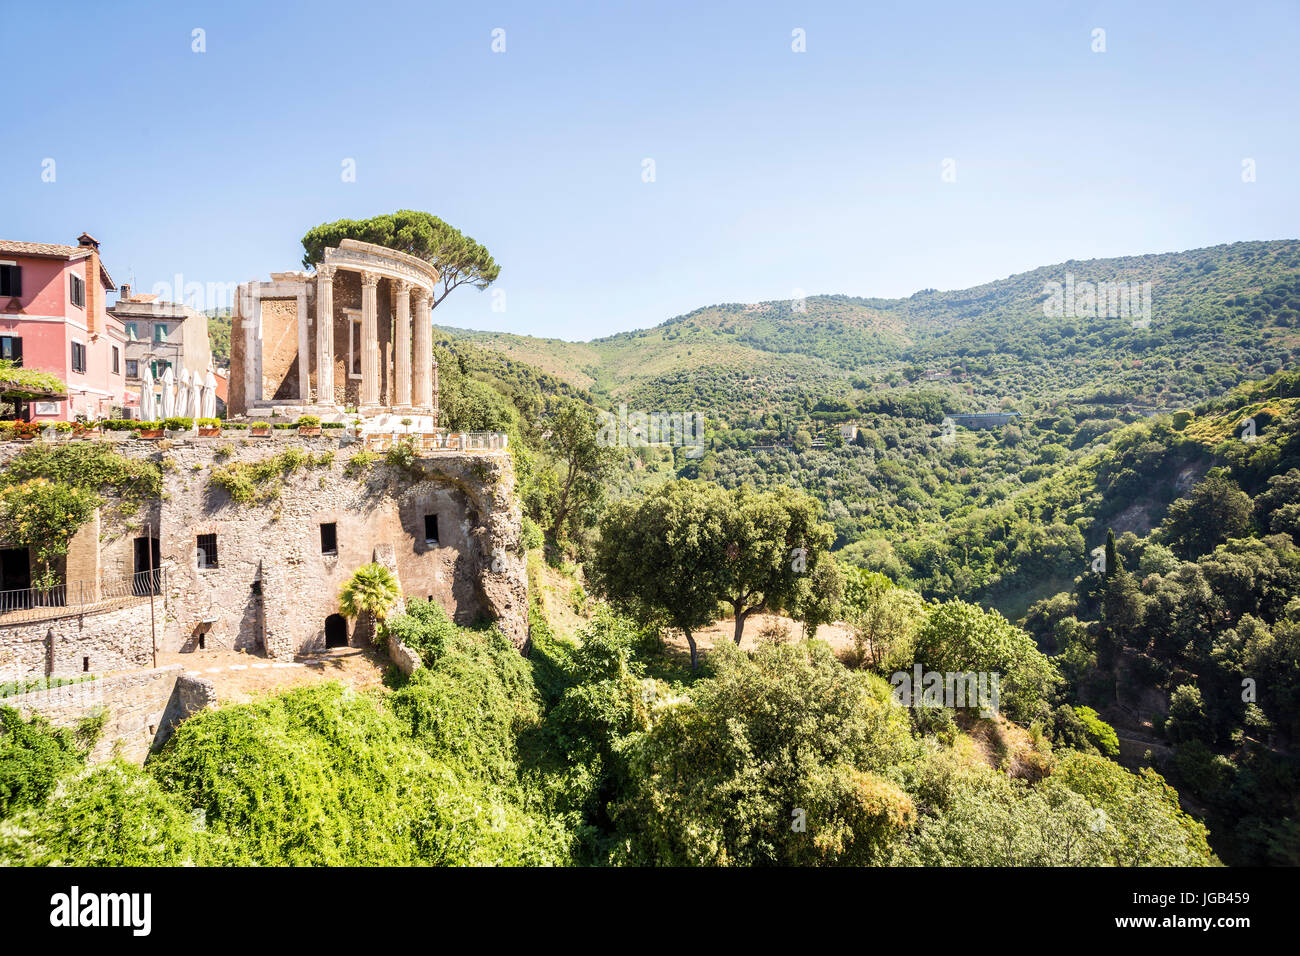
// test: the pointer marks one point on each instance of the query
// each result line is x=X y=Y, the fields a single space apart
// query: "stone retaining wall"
x=143 y=708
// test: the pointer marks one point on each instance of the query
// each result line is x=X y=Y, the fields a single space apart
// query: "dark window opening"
x=431 y=529
x=329 y=538
x=336 y=631
x=201 y=642
x=77 y=291
x=116 y=363
x=148 y=558
x=11 y=280
x=132 y=368
x=15 y=570
x=207 y=551
x=85 y=664
x=78 y=357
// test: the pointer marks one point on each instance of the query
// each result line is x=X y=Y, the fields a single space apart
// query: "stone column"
x=402 y=347
x=325 y=335
x=423 y=361
x=304 y=347
x=435 y=393
x=369 y=339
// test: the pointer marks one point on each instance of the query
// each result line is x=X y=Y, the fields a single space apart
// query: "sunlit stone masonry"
x=352 y=339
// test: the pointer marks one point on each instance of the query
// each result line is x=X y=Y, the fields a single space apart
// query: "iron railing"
x=78 y=597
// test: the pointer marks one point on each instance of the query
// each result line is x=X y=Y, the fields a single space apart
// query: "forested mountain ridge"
x=1216 y=315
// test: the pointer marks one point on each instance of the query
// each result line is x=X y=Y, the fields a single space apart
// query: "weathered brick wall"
x=280 y=348
x=116 y=638
x=236 y=398
x=347 y=295
x=143 y=708
x=81 y=564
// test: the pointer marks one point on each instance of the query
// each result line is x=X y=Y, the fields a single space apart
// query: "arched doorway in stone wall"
x=336 y=631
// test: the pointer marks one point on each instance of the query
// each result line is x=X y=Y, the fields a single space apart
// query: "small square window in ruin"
x=329 y=538
x=207 y=551
x=430 y=529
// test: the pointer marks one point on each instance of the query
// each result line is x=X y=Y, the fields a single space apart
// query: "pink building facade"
x=54 y=317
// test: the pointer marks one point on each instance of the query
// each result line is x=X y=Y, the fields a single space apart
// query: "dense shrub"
x=33 y=755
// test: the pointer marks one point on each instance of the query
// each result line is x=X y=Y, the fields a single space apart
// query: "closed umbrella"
x=210 y=395
x=148 y=407
x=168 y=393
x=182 y=408
x=196 y=397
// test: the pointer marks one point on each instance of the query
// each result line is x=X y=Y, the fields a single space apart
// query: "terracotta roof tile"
x=55 y=251
x=42 y=249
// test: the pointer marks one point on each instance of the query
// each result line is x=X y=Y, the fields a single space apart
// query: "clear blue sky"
x=775 y=170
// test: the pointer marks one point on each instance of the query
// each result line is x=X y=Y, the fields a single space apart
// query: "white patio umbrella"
x=196 y=397
x=168 y=393
x=148 y=407
x=210 y=395
x=182 y=409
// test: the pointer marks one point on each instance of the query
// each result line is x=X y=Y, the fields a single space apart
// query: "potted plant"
x=260 y=429
x=26 y=431
x=177 y=426
x=308 y=425
x=209 y=427
x=150 y=430
x=81 y=429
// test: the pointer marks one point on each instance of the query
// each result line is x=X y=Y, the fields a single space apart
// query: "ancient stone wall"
x=280 y=348
x=95 y=642
x=273 y=586
x=143 y=707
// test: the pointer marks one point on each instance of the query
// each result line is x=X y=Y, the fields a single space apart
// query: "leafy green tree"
x=694 y=545
x=1215 y=511
x=33 y=755
x=459 y=259
x=572 y=439
x=770 y=541
x=781 y=758
x=956 y=637
x=369 y=595
x=658 y=557
x=1186 y=714
x=817 y=598
x=44 y=515
x=1113 y=563
x=884 y=618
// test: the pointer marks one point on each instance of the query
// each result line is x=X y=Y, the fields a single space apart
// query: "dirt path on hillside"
x=837 y=635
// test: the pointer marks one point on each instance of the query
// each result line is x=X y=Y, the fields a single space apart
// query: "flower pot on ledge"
x=259 y=431
x=309 y=431
x=151 y=433
x=209 y=431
